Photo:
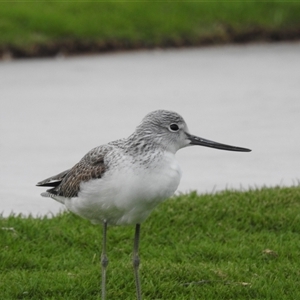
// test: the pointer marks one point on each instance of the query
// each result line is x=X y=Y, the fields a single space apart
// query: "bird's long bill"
x=195 y=140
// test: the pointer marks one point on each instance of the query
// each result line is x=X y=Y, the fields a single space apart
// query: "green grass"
x=231 y=245
x=31 y=27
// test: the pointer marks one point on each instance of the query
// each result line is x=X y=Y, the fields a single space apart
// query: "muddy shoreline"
x=70 y=46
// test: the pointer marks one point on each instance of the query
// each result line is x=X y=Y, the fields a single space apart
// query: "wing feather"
x=53 y=180
x=67 y=183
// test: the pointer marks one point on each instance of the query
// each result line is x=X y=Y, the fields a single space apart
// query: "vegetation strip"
x=49 y=28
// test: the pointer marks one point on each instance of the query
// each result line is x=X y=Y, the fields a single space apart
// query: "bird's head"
x=169 y=130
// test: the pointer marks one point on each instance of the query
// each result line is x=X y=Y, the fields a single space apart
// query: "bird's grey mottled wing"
x=67 y=183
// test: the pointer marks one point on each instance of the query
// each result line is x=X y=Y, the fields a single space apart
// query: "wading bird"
x=120 y=183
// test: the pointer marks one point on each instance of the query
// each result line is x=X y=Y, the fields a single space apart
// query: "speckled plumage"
x=123 y=181
x=129 y=177
x=67 y=183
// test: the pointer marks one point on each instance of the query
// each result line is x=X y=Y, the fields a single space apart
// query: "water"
x=54 y=110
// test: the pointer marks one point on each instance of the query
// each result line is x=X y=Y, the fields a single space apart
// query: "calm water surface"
x=55 y=110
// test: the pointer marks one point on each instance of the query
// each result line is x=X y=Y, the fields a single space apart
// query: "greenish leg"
x=104 y=261
x=136 y=261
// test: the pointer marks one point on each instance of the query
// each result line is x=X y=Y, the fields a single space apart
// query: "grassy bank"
x=45 y=28
x=232 y=245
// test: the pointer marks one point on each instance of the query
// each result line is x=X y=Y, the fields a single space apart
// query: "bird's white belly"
x=129 y=194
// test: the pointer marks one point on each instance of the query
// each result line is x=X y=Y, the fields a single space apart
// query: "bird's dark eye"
x=174 y=127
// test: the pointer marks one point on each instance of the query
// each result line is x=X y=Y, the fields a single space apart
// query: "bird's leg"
x=104 y=261
x=136 y=261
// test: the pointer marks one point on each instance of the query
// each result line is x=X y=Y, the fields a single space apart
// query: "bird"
x=121 y=182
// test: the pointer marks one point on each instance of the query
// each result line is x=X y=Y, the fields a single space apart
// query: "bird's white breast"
x=129 y=192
